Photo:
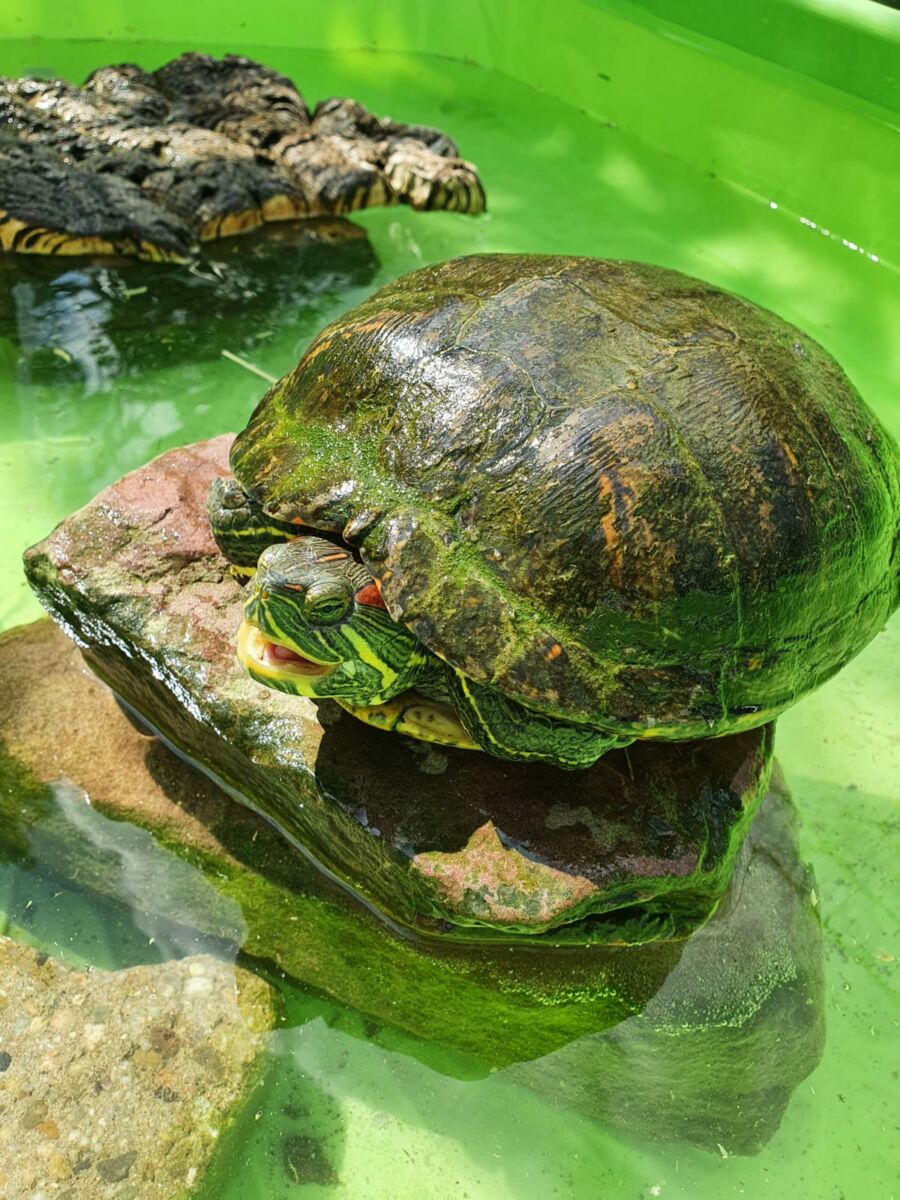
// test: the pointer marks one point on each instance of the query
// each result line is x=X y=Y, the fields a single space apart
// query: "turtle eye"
x=327 y=602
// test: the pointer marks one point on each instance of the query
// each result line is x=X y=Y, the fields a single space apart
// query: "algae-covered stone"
x=711 y=1058
x=702 y=1040
x=553 y=911
x=109 y=1075
x=460 y=844
x=66 y=740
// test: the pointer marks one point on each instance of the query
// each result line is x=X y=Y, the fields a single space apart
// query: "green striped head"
x=315 y=624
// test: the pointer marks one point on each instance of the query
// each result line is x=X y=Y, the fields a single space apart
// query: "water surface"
x=378 y=1121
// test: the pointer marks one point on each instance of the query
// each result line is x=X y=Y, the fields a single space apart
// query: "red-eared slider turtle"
x=583 y=501
x=149 y=164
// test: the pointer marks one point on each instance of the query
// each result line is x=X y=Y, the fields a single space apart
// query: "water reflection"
x=716 y=1052
x=92 y=322
x=95 y=891
x=525 y=1069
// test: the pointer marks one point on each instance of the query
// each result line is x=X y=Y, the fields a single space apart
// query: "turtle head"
x=315 y=624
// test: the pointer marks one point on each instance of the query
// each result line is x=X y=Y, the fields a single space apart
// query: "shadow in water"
x=290 y=1134
x=729 y=1022
x=710 y=1062
x=715 y=1054
x=654 y=829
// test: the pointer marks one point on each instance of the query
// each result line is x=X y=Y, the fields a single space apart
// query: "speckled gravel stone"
x=120 y=1079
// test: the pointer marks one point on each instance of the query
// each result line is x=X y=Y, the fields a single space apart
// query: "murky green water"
x=383 y=1122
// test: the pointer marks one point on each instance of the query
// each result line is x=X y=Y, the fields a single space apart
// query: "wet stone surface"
x=449 y=841
x=88 y=1055
x=729 y=1020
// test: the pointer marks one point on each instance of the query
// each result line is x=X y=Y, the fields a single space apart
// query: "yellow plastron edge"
x=412 y=714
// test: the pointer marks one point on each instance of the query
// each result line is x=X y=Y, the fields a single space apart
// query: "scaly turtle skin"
x=241 y=529
x=616 y=502
x=316 y=626
x=150 y=164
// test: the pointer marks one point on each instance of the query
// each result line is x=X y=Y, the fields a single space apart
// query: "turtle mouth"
x=270 y=657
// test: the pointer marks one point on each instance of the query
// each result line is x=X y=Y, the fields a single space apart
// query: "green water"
x=377 y=1119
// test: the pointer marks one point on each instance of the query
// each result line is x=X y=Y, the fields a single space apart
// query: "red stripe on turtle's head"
x=371 y=596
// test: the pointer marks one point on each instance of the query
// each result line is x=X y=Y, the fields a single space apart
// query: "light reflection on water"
x=157 y=906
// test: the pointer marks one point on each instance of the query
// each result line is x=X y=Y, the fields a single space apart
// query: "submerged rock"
x=701 y=1040
x=74 y=773
x=714 y=1055
x=639 y=847
x=115 y=1076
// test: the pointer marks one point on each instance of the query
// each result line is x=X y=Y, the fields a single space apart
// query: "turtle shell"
x=617 y=493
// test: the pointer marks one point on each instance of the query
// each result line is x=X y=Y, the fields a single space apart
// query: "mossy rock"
x=453 y=843
x=700 y=1040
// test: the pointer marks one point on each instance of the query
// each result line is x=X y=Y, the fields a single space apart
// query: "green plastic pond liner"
x=754 y=146
x=693 y=78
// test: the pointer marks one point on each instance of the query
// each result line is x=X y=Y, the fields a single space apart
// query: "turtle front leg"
x=507 y=729
x=240 y=527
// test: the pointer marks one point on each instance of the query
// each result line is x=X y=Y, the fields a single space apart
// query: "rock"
x=114 y=1170
x=701 y=1040
x=101 y=1114
x=640 y=846
x=707 y=1060
x=66 y=741
x=305 y=1161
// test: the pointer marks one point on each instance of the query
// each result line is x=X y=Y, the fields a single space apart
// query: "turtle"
x=548 y=505
x=151 y=164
